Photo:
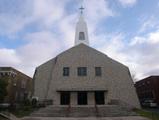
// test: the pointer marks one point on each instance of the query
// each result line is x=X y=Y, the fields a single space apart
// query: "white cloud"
x=9 y=57
x=148 y=24
x=11 y=24
x=154 y=37
x=42 y=12
x=113 y=47
x=140 y=55
x=127 y=2
x=138 y=40
x=41 y=47
x=48 y=11
x=149 y=38
x=67 y=30
x=144 y=54
x=97 y=10
x=14 y=16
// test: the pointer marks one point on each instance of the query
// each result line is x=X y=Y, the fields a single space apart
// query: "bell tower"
x=81 y=35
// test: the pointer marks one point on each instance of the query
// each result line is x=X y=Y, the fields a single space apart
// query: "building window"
x=65 y=98
x=99 y=97
x=82 y=71
x=82 y=98
x=66 y=71
x=81 y=36
x=98 y=71
x=23 y=84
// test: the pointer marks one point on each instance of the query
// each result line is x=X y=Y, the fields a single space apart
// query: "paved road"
x=87 y=118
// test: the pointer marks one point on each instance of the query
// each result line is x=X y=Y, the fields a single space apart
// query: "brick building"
x=19 y=85
x=148 y=89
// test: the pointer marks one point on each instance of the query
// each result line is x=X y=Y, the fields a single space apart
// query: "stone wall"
x=115 y=77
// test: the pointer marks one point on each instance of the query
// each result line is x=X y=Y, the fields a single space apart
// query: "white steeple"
x=81 y=35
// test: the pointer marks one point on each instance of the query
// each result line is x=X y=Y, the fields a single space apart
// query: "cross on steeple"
x=81 y=34
x=81 y=9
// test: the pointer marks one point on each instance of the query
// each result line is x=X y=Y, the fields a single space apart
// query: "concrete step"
x=87 y=111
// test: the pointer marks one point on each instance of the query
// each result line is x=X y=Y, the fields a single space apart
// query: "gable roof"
x=82 y=47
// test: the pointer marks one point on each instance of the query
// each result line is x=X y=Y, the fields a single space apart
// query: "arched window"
x=81 y=36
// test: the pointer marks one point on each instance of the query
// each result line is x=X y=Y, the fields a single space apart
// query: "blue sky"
x=34 y=31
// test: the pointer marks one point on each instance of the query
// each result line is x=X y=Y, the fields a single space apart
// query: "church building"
x=84 y=76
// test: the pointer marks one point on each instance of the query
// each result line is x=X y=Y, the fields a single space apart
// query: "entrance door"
x=65 y=98
x=99 y=97
x=82 y=98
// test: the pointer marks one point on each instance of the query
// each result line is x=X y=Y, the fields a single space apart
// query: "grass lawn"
x=148 y=114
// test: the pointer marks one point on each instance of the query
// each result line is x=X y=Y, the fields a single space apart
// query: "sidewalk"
x=86 y=118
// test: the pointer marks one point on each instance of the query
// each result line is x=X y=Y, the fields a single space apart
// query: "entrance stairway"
x=83 y=111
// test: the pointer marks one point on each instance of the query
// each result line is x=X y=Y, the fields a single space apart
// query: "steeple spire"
x=81 y=8
x=81 y=35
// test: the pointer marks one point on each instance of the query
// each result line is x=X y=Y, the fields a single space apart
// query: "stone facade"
x=115 y=80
